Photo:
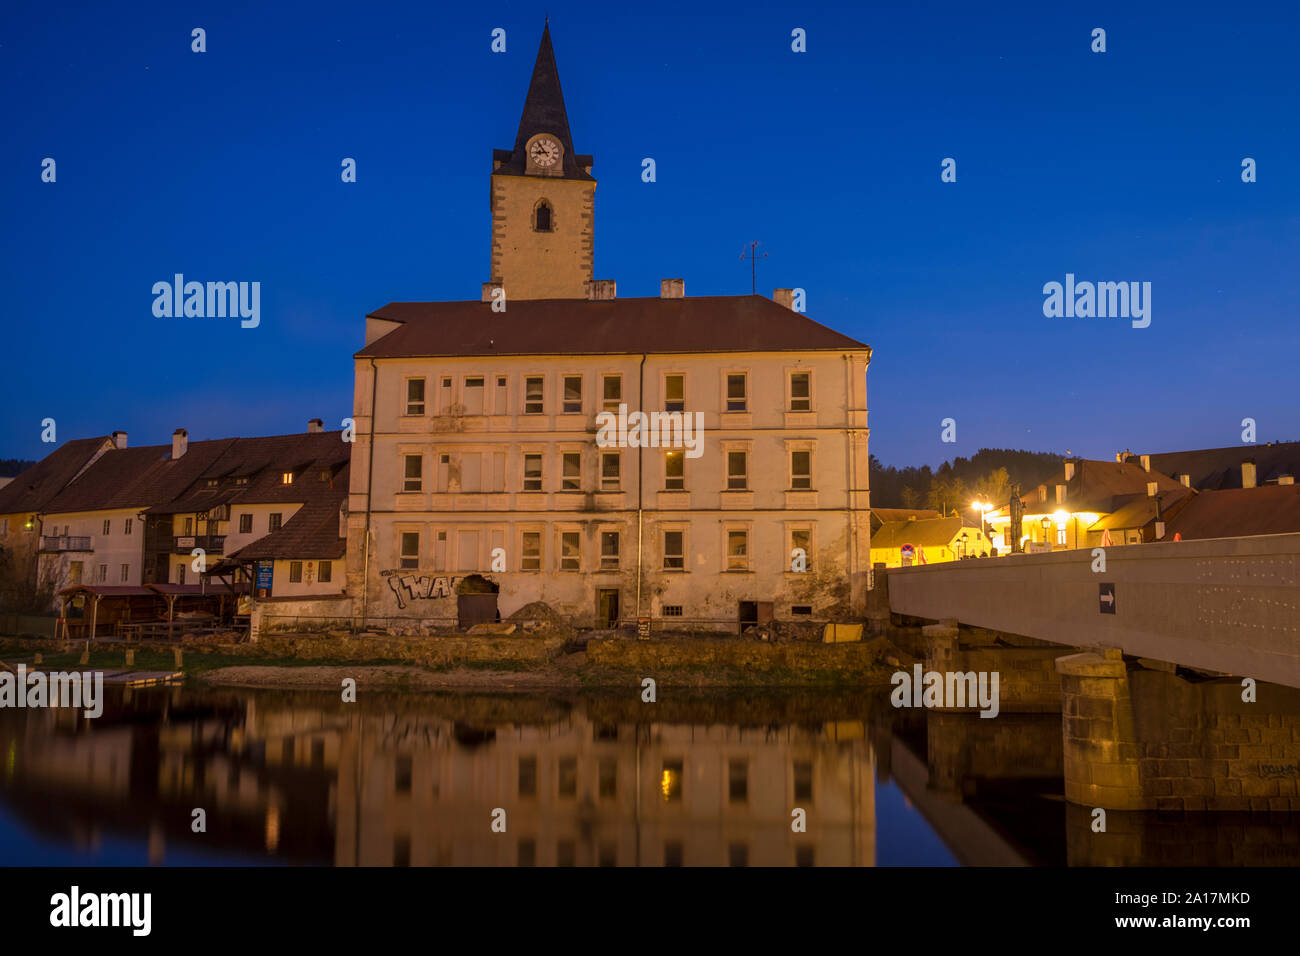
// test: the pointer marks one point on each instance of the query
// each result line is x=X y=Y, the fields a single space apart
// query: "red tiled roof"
x=734 y=323
x=36 y=487
x=312 y=532
x=1220 y=468
x=1236 y=512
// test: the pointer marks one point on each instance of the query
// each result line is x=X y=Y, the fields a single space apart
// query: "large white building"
x=480 y=463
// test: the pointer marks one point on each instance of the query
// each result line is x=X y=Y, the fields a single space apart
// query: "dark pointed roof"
x=544 y=112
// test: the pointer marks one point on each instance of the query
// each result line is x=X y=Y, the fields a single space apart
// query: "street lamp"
x=983 y=507
x=1047 y=527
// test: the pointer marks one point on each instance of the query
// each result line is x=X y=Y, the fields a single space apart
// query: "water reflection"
x=302 y=778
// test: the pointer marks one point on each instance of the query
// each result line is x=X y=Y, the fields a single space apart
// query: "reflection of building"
x=477 y=431
x=582 y=793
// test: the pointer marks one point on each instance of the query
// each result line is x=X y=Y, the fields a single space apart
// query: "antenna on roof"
x=753 y=258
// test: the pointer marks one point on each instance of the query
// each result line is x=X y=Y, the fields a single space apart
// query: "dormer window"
x=286 y=478
x=542 y=217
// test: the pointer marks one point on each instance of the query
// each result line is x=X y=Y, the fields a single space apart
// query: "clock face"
x=545 y=153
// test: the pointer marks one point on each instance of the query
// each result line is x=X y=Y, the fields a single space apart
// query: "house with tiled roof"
x=1237 y=512
x=505 y=444
x=902 y=543
x=174 y=515
x=1237 y=466
x=1066 y=511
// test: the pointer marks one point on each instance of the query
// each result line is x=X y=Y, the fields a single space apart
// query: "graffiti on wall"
x=419 y=587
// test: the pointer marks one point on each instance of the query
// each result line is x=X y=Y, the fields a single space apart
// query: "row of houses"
x=1137 y=498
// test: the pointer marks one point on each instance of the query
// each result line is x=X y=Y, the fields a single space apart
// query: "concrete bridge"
x=1226 y=605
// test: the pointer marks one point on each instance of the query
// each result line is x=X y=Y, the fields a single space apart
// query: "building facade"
x=501 y=445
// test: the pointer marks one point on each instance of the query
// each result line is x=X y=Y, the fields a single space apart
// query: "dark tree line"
x=12 y=467
x=985 y=476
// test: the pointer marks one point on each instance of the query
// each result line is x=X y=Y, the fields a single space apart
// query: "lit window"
x=674 y=471
x=670 y=781
x=286 y=478
x=672 y=610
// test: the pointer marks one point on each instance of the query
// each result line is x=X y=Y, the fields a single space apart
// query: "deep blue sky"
x=225 y=166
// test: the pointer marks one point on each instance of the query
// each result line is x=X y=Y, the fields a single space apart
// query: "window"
x=609 y=550
x=571 y=479
x=501 y=406
x=444 y=395
x=609 y=471
x=670 y=781
x=612 y=390
x=108 y=526
x=326 y=570
x=607 y=770
x=531 y=551
x=74 y=572
x=801 y=609
x=415 y=396
x=410 y=555
x=4 y=526
x=1060 y=536
x=803 y=783
x=533 y=395
x=126 y=573
x=295 y=572
x=737 y=550
x=675 y=393
x=126 y=528
x=736 y=392
x=572 y=393
x=189 y=526
x=273 y=521
x=527 y=776
x=414 y=475
x=800 y=469
x=245 y=524
x=570 y=551
x=800 y=393
x=567 y=777
x=474 y=389
x=286 y=478
x=101 y=574
x=737 y=471
x=542 y=219
x=801 y=538
x=804 y=855
x=180 y=574
x=211 y=483
x=674 y=471
x=738 y=781
x=532 y=472
x=674 y=553
x=672 y=610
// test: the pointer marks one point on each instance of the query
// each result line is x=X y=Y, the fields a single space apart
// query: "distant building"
x=1064 y=512
x=1236 y=512
x=1239 y=466
x=931 y=541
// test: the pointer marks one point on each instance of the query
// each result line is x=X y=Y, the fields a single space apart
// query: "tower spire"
x=544 y=110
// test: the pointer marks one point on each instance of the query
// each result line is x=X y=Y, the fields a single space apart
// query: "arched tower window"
x=542 y=217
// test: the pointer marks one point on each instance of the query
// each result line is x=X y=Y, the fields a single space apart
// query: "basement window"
x=672 y=610
x=801 y=609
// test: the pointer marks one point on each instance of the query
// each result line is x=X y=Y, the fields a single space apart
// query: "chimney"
x=672 y=288
x=315 y=425
x=1146 y=462
x=1248 y=473
x=1069 y=471
x=1160 y=530
x=180 y=442
x=1286 y=479
x=491 y=287
x=783 y=297
x=601 y=289
x=119 y=439
x=1185 y=480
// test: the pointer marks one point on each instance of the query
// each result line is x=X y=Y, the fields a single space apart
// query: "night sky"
x=225 y=166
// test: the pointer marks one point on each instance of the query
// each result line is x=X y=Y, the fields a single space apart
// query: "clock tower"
x=543 y=198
